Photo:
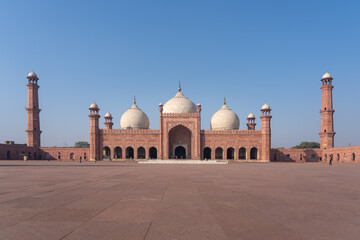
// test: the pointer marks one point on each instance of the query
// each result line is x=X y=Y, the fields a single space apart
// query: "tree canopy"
x=82 y=144
x=308 y=145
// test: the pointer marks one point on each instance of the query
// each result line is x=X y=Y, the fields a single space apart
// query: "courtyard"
x=124 y=200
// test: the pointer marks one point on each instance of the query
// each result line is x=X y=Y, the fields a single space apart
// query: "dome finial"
x=224 y=100
x=179 y=86
x=134 y=100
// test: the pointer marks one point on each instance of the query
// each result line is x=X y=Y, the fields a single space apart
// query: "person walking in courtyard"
x=331 y=159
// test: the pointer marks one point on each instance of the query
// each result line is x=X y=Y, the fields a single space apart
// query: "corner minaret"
x=94 y=132
x=265 y=132
x=327 y=122
x=33 y=119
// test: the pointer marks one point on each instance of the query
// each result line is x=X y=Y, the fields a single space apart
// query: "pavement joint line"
x=157 y=209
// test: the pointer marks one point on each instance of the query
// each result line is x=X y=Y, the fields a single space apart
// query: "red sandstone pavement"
x=57 y=200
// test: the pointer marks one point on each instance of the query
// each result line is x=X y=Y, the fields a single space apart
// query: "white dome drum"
x=224 y=119
x=179 y=104
x=134 y=118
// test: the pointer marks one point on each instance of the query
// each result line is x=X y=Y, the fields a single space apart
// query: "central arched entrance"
x=180 y=143
x=180 y=152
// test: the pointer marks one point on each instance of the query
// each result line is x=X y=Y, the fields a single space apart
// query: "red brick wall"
x=345 y=154
x=65 y=153
x=295 y=155
x=14 y=151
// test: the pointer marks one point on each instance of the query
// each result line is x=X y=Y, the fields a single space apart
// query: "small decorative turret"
x=251 y=122
x=160 y=107
x=108 y=121
x=198 y=107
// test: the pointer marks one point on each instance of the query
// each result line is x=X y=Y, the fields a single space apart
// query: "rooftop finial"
x=179 y=86
x=134 y=100
x=224 y=100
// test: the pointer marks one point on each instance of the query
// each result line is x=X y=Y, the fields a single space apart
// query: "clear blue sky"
x=254 y=52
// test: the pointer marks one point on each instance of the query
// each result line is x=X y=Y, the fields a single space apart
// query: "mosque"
x=179 y=135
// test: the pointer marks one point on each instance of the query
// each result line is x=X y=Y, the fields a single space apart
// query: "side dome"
x=134 y=118
x=224 y=119
x=179 y=104
x=108 y=115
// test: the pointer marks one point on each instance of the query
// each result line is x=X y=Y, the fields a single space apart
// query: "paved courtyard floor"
x=106 y=200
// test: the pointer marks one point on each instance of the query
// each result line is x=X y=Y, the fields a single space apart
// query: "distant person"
x=331 y=159
x=80 y=159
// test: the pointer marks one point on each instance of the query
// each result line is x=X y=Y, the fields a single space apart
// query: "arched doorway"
x=141 y=153
x=254 y=153
x=353 y=157
x=8 y=155
x=230 y=153
x=207 y=153
x=72 y=156
x=153 y=153
x=242 y=153
x=118 y=153
x=219 y=153
x=180 y=136
x=129 y=153
x=106 y=152
x=180 y=152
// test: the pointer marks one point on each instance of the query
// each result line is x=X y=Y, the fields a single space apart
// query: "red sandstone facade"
x=180 y=136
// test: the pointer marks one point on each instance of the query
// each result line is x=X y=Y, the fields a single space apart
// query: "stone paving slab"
x=123 y=200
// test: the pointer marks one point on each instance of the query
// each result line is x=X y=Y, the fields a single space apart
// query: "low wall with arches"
x=344 y=154
x=295 y=155
x=65 y=153
x=18 y=151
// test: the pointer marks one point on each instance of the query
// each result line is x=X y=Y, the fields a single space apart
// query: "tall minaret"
x=327 y=122
x=94 y=133
x=265 y=132
x=33 y=120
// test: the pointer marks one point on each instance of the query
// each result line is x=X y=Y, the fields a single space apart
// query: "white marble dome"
x=179 y=104
x=108 y=115
x=134 y=118
x=326 y=75
x=265 y=107
x=32 y=74
x=251 y=116
x=94 y=106
x=224 y=119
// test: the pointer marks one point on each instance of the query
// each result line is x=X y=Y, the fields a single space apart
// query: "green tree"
x=82 y=144
x=308 y=145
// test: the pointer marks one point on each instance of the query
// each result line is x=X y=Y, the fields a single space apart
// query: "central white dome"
x=224 y=119
x=134 y=118
x=179 y=104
